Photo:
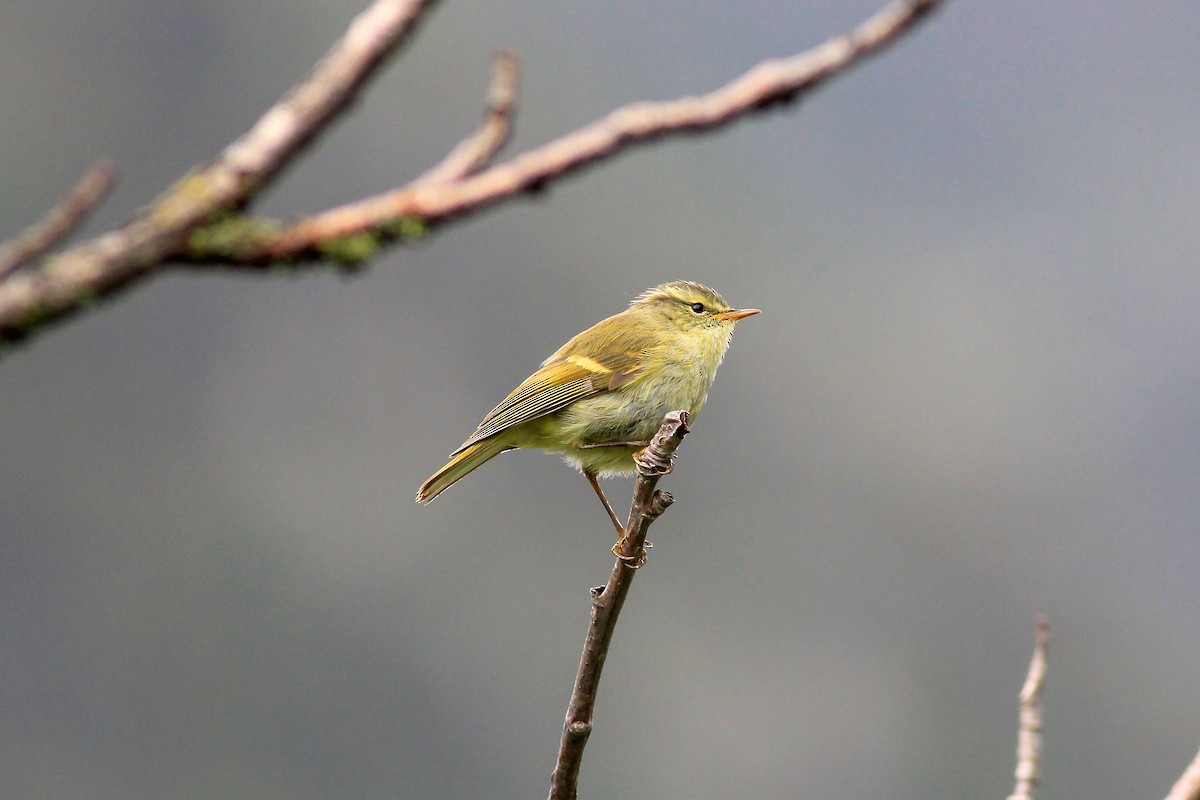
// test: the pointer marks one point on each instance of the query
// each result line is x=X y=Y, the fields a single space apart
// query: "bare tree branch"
x=199 y=221
x=648 y=504
x=59 y=221
x=113 y=260
x=1029 y=737
x=1188 y=785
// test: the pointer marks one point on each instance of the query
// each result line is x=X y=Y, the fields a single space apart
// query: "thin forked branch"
x=769 y=83
x=201 y=220
x=1029 y=737
x=648 y=504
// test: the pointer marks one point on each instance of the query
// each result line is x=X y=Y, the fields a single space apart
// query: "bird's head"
x=691 y=306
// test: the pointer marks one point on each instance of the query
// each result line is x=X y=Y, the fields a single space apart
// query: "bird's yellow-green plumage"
x=601 y=396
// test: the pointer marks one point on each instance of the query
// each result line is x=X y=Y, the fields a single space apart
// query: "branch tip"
x=502 y=94
x=660 y=502
x=1029 y=734
x=63 y=217
x=477 y=150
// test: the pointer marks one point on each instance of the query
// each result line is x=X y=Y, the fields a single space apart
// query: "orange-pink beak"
x=737 y=313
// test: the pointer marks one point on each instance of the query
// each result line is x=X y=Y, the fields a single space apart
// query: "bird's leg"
x=591 y=476
x=633 y=561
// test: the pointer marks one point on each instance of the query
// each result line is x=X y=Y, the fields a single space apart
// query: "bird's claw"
x=651 y=463
x=634 y=561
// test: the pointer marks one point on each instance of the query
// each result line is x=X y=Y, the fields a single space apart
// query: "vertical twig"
x=648 y=504
x=1029 y=737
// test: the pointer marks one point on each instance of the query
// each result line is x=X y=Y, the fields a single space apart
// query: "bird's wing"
x=563 y=379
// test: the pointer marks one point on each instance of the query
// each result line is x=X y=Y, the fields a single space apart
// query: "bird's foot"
x=634 y=561
x=650 y=463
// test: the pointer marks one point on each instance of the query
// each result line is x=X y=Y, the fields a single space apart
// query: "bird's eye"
x=698 y=308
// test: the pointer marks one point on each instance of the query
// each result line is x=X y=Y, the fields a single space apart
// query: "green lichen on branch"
x=234 y=237
x=407 y=229
x=352 y=250
x=355 y=249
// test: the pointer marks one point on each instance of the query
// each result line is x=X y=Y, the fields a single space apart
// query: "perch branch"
x=648 y=504
x=1029 y=737
x=59 y=221
x=1188 y=785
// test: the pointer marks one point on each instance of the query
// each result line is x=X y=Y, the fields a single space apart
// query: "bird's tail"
x=458 y=466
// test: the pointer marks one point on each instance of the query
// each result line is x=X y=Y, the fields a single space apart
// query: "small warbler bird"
x=601 y=397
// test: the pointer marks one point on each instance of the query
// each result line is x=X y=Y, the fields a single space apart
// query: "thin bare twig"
x=1188 y=785
x=113 y=260
x=1029 y=737
x=474 y=152
x=648 y=504
x=59 y=221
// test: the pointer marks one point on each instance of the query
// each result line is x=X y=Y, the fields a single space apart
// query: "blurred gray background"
x=974 y=395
